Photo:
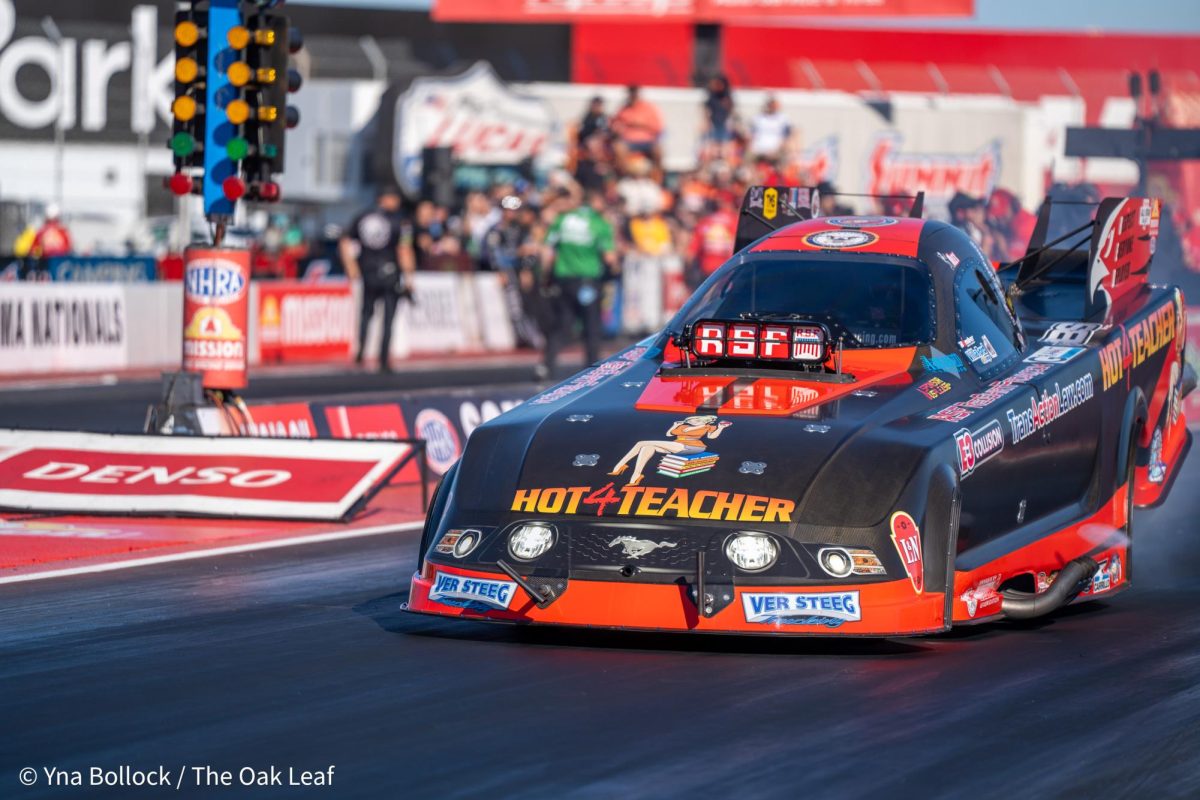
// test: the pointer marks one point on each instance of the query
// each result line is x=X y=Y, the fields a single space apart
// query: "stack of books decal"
x=680 y=466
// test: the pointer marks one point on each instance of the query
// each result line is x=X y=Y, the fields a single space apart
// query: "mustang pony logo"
x=636 y=548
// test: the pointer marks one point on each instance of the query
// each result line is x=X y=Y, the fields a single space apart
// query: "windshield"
x=867 y=301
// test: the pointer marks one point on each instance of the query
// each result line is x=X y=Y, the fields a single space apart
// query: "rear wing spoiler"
x=1121 y=243
x=769 y=208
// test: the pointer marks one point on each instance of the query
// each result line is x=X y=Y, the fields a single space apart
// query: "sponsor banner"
x=306 y=321
x=45 y=471
x=380 y=421
x=216 y=289
x=830 y=609
x=103 y=269
x=445 y=421
x=475 y=114
x=282 y=421
x=48 y=327
x=571 y=11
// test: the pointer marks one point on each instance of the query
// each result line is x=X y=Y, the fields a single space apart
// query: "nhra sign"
x=474 y=114
x=306 y=321
x=216 y=290
x=67 y=472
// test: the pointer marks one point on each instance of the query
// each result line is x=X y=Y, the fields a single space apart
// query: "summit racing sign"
x=643 y=501
x=44 y=471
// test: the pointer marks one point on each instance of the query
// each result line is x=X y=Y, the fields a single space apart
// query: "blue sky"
x=1147 y=16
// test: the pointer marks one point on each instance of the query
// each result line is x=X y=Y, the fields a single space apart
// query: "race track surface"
x=303 y=658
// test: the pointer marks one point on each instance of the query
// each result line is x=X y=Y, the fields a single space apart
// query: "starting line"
x=212 y=552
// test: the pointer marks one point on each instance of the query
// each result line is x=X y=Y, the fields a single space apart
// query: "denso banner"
x=52 y=471
x=306 y=321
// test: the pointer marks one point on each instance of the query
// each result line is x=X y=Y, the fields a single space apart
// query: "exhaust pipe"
x=1068 y=584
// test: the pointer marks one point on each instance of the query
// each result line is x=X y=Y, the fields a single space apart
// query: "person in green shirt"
x=579 y=245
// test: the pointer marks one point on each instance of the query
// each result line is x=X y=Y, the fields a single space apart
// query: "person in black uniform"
x=378 y=248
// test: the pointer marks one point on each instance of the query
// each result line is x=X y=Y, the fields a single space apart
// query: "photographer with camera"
x=378 y=248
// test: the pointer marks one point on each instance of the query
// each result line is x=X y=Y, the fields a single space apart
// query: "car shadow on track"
x=388 y=613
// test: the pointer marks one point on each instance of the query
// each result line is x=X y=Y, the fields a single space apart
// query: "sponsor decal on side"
x=1070 y=333
x=950 y=258
x=793 y=608
x=592 y=377
x=464 y=592
x=907 y=538
x=1151 y=334
x=1053 y=354
x=934 y=388
x=982 y=596
x=1049 y=406
x=977 y=446
x=840 y=239
x=1108 y=575
x=638 y=501
x=979 y=353
x=998 y=390
x=1158 y=468
x=946 y=363
x=1112 y=363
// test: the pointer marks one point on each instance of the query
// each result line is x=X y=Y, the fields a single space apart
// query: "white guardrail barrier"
x=48 y=328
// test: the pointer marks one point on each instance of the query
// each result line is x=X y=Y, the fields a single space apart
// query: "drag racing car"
x=857 y=426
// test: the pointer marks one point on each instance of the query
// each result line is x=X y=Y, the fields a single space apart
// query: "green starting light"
x=270 y=151
x=183 y=144
x=237 y=149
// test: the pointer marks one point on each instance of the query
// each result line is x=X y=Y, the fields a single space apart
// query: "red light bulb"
x=268 y=191
x=180 y=184
x=233 y=187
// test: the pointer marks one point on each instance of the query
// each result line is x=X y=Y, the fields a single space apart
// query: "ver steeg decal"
x=792 y=608
x=1049 y=407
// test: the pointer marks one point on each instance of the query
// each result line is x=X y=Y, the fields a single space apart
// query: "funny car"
x=858 y=426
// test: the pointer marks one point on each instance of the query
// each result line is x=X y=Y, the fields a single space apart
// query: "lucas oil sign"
x=216 y=284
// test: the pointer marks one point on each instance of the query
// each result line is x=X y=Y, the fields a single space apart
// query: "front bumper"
x=890 y=608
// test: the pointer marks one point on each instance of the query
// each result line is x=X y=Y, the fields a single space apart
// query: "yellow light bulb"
x=266 y=75
x=186 y=70
x=238 y=37
x=184 y=108
x=265 y=37
x=187 y=33
x=239 y=73
x=268 y=113
x=237 y=111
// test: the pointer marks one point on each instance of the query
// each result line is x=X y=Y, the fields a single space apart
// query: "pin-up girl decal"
x=688 y=434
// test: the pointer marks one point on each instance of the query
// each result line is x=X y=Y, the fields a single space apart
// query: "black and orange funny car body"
x=857 y=427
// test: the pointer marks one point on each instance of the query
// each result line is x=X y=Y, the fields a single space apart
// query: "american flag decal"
x=808 y=344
